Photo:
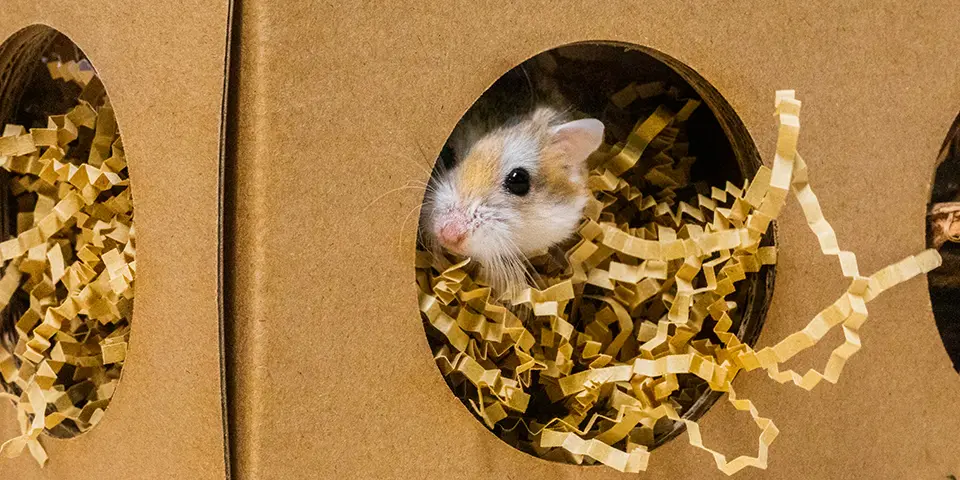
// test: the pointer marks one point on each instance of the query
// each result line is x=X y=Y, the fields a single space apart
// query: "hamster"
x=512 y=181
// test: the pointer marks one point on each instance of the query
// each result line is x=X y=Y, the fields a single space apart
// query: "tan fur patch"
x=557 y=172
x=480 y=171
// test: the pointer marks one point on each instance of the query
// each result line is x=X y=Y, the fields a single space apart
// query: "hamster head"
x=512 y=192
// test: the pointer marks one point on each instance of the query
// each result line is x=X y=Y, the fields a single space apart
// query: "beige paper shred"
x=615 y=361
x=69 y=270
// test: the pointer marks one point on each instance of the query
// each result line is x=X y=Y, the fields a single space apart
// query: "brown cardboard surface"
x=337 y=102
x=163 y=67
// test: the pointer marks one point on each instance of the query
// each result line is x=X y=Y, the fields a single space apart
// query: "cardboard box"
x=163 y=65
x=338 y=104
x=332 y=105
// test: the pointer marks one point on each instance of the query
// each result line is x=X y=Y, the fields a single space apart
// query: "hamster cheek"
x=550 y=224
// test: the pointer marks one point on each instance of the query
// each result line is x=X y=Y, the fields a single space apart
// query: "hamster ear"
x=579 y=138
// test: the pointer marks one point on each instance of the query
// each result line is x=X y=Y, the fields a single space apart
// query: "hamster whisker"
x=428 y=242
x=404 y=225
x=423 y=168
x=419 y=183
x=508 y=273
x=406 y=186
x=529 y=270
x=437 y=163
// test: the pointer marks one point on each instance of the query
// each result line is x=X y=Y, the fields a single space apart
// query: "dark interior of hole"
x=944 y=282
x=590 y=83
x=588 y=75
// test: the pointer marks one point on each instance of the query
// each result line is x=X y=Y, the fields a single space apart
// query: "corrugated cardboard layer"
x=334 y=375
x=163 y=71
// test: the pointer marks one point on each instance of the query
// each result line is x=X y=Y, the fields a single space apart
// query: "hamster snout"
x=452 y=233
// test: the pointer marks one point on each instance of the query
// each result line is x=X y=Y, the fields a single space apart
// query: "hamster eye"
x=517 y=182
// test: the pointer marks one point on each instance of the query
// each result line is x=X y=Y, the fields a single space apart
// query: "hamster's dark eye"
x=517 y=182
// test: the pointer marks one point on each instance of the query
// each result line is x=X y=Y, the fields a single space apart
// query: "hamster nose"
x=452 y=235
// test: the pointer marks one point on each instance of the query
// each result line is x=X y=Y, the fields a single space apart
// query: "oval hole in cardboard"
x=943 y=233
x=76 y=358
x=589 y=74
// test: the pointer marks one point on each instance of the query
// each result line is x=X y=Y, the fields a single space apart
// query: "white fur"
x=520 y=150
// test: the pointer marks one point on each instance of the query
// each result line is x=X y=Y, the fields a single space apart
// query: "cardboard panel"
x=334 y=377
x=164 y=73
